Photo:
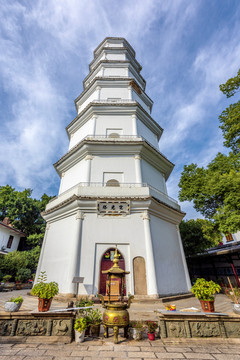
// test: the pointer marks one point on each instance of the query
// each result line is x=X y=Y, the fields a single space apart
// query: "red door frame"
x=105 y=265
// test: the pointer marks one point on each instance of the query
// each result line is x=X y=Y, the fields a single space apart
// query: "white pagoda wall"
x=99 y=165
x=114 y=92
x=81 y=133
x=81 y=104
x=169 y=263
x=115 y=71
x=144 y=131
x=152 y=176
x=136 y=97
x=126 y=232
x=77 y=173
x=105 y=122
x=56 y=256
x=112 y=164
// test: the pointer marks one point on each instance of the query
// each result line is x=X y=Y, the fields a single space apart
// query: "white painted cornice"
x=98 y=148
x=114 y=64
x=84 y=205
x=115 y=40
x=115 y=50
x=95 y=109
x=113 y=82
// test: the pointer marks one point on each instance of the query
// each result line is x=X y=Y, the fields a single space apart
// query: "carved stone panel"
x=32 y=327
x=5 y=327
x=204 y=329
x=61 y=327
x=232 y=328
x=176 y=329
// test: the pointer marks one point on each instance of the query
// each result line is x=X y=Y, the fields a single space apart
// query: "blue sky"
x=186 y=48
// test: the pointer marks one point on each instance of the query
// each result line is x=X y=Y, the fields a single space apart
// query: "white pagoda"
x=113 y=188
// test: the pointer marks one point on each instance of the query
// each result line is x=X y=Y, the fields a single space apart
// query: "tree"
x=22 y=210
x=198 y=235
x=215 y=191
x=230 y=117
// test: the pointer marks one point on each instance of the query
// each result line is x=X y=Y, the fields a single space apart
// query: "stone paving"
x=225 y=349
x=27 y=349
x=142 y=310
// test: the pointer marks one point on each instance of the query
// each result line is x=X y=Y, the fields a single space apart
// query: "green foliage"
x=233 y=294
x=22 y=209
x=15 y=260
x=94 y=317
x=204 y=290
x=198 y=235
x=6 y=278
x=17 y=300
x=230 y=125
x=231 y=86
x=80 y=324
x=230 y=117
x=136 y=324
x=35 y=239
x=43 y=289
x=151 y=326
x=23 y=275
x=215 y=191
x=84 y=302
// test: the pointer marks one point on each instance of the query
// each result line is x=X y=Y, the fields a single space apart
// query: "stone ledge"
x=37 y=325
x=198 y=325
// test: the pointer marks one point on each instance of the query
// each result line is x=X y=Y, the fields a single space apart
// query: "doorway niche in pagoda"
x=106 y=264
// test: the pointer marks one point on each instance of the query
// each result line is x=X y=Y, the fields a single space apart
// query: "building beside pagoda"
x=113 y=188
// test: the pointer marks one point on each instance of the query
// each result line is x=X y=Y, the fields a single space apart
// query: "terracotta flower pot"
x=151 y=336
x=44 y=304
x=207 y=306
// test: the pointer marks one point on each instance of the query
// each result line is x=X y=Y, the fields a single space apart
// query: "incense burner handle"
x=101 y=298
x=130 y=299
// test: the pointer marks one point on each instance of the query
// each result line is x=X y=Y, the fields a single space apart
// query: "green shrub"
x=44 y=290
x=204 y=290
x=23 y=275
x=151 y=326
x=80 y=324
x=94 y=317
x=6 y=278
x=15 y=260
x=17 y=300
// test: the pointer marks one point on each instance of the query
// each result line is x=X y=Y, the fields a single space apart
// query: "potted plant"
x=6 y=278
x=80 y=326
x=13 y=304
x=137 y=328
x=45 y=292
x=85 y=302
x=204 y=291
x=234 y=295
x=94 y=319
x=151 y=329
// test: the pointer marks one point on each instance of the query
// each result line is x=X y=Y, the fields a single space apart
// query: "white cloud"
x=46 y=48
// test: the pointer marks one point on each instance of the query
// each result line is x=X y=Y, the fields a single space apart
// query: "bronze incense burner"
x=116 y=315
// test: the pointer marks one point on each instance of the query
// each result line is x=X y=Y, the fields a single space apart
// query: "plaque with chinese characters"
x=113 y=207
